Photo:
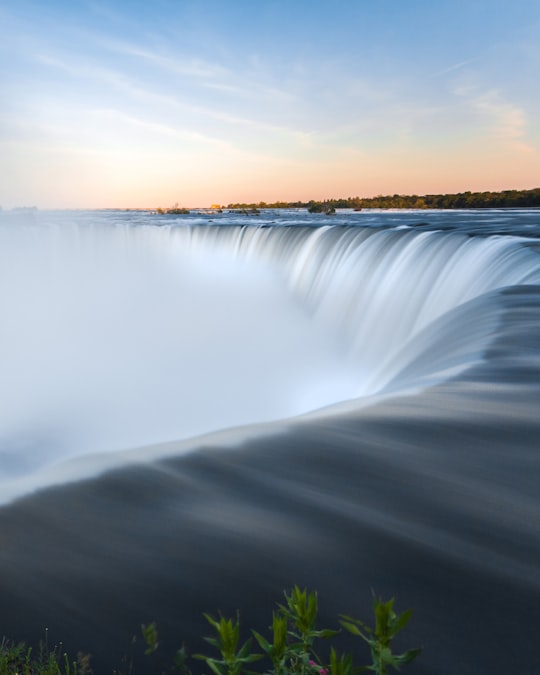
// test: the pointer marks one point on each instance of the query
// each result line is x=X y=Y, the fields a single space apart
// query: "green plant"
x=150 y=637
x=294 y=633
x=20 y=659
x=379 y=639
x=233 y=658
x=291 y=646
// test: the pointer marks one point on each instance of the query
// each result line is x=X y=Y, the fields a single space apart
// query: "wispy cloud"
x=189 y=66
x=155 y=128
x=507 y=122
x=503 y=120
x=457 y=66
x=247 y=82
x=118 y=81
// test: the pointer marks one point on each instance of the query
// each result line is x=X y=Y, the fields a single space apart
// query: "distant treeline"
x=461 y=200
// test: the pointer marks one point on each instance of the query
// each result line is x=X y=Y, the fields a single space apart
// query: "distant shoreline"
x=459 y=200
x=446 y=201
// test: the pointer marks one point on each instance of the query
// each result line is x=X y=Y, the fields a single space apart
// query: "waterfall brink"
x=118 y=336
x=407 y=309
x=382 y=291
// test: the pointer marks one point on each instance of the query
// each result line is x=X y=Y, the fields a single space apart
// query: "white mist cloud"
x=118 y=338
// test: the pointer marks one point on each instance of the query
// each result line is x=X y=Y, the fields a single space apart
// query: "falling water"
x=119 y=336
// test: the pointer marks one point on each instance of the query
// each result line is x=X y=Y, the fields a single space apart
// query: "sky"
x=144 y=104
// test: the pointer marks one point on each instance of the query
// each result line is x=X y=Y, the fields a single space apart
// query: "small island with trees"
x=173 y=211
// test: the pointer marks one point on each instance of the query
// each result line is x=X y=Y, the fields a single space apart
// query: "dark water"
x=419 y=479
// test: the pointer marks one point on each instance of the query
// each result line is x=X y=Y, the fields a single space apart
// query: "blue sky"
x=147 y=104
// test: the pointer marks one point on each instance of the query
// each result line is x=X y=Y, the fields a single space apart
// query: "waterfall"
x=115 y=336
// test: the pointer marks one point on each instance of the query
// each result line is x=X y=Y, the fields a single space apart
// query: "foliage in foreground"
x=46 y=660
x=292 y=646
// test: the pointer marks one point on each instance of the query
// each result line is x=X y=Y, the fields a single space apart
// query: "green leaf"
x=279 y=628
x=357 y=622
x=352 y=628
x=340 y=665
x=384 y=614
x=263 y=642
x=251 y=658
x=215 y=667
x=211 y=620
x=150 y=636
x=401 y=621
x=325 y=633
x=245 y=648
x=385 y=655
x=408 y=656
x=180 y=659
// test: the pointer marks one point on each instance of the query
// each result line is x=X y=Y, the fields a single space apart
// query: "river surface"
x=199 y=411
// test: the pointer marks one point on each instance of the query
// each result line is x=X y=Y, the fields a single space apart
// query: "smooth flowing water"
x=198 y=404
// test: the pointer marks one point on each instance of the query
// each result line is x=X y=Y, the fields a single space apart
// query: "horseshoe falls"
x=197 y=412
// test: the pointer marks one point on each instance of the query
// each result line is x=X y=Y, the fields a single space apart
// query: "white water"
x=113 y=338
x=117 y=337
